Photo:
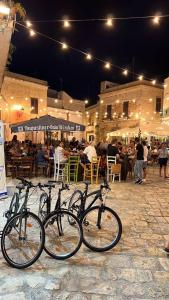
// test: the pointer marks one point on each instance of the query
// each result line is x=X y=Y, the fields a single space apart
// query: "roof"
x=25 y=78
x=132 y=84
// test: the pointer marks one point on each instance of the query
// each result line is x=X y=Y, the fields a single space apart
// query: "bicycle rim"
x=63 y=239
x=102 y=228
x=23 y=243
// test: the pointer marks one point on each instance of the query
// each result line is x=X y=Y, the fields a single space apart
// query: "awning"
x=46 y=123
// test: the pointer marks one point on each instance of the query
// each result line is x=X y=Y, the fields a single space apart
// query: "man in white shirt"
x=90 y=151
x=145 y=160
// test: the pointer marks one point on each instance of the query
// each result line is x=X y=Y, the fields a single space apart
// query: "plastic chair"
x=60 y=169
x=73 y=167
x=91 y=171
x=111 y=160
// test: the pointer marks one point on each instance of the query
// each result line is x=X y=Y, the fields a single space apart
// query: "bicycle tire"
x=43 y=211
x=75 y=204
x=92 y=237
x=53 y=241
x=12 y=223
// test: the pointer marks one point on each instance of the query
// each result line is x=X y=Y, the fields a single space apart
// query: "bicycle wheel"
x=23 y=243
x=102 y=228
x=75 y=205
x=42 y=213
x=63 y=240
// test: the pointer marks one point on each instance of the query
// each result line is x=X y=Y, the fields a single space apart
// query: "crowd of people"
x=133 y=157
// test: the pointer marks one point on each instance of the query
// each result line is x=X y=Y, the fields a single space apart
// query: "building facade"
x=23 y=98
x=125 y=106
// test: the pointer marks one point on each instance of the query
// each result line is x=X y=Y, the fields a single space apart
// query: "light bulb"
x=28 y=24
x=66 y=24
x=64 y=46
x=32 y=32
x=107 y=65
x=125 y=72
x=156 y=20
x=71 y=101
x=109 y=22
x=140 y=77
x=88 y=56
x=86 y=101
x=153 y=82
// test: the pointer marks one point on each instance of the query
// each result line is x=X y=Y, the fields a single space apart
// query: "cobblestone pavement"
x=136 y=269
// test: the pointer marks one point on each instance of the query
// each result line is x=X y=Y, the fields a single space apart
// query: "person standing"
x=145 y=160
x=138 y=167
x=163 y=159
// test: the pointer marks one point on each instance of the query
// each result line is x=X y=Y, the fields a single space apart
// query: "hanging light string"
x=88 y=56
x=104 y=19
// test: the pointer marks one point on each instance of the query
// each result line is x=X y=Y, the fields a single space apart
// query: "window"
x=126 y=109
x=109 y=112
x=34 y=106
x=158 y=104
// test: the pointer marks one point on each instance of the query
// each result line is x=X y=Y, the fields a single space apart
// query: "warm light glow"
x=71 y=101
x=89 y=56
x=140 y=77
x=109 y=22
x=156 y=20
x=56 y=100
x=4 y=10
x=41 y=100
x=107 y=65
x=153 y=82
x=28 y=24
x=26 y=98
x=125 y=72
x=66 y=24
x=150 y=99
x=134 y=100
x=32 y=107
x=165 y=85
x=86 y=101
x=101 y=101
x=17 y=107
x=117 y=101
x=64 y=46
x=32 y=32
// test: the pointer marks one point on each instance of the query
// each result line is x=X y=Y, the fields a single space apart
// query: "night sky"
x=140 y=40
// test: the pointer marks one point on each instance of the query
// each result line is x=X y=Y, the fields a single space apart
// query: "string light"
x=86 y=101
x=140 y=77
x=156 y=20
x=32 y=32
x=153 y=82
x=150 y=100
x=64 y=46
x=66 y=24
x=101 y=101
x=109 y=22
x=107 y=66
x=28 y=24
x=125 y=72
x=56 y=100
x=88 y=56
x=71 y=101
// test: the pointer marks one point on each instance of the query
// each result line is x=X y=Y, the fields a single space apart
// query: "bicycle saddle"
x=20 y=186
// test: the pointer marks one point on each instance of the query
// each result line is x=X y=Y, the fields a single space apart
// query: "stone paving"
x=136 y=269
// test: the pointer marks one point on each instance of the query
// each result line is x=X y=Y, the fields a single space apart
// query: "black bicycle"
x=63 y=239
x=102 y=227
x=23 y=237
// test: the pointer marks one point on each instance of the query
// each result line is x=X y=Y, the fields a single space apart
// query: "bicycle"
x=102 y=227
x=63 y=239
x=23 y=237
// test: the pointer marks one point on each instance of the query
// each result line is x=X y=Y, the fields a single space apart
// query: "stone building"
x=23 y=98
x=124 y=106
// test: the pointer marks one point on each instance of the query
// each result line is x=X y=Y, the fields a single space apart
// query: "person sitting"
x=61 y=154
x=112 y=149
x=88 y=153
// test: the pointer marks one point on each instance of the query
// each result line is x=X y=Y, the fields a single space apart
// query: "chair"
x=25 y=167
x=91 y=171
x=111 y=160
x=116 y=171
x=73 y=167
x=60 y=169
